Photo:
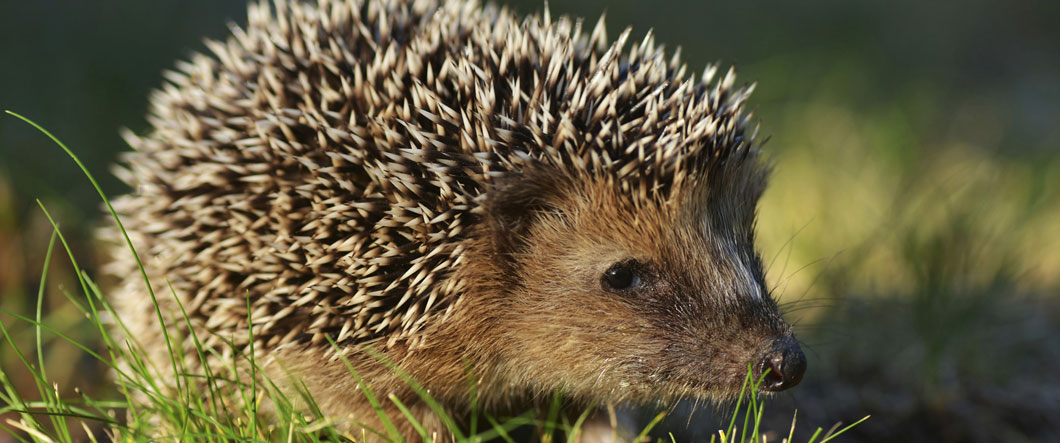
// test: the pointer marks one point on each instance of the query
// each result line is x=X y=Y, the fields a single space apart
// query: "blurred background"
x=911 y=230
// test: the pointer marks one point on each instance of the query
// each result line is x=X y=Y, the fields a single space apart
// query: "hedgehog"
x=422 y=187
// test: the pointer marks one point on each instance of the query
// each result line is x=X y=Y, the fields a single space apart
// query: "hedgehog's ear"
x=519 y=201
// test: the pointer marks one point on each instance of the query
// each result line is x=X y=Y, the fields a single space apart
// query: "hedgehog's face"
x=660 y=300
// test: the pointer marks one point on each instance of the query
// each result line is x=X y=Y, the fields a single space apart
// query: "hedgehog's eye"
x=621 y=276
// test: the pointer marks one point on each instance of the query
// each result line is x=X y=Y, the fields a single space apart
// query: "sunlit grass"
x=841 y=208
x=919 y=263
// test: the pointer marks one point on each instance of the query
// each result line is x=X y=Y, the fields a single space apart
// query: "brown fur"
x=691 y=336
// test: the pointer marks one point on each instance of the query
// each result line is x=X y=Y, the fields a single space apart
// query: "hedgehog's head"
x=640 y=287
x=640 y=298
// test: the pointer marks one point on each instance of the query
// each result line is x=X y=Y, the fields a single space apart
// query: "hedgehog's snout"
x=785 y=363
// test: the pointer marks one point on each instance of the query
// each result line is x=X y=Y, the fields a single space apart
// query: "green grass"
x=212 y=404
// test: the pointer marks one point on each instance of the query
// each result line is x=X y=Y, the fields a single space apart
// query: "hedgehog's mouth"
x=777 y=366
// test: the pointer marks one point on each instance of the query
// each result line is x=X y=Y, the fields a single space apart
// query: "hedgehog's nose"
x=785 y=362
